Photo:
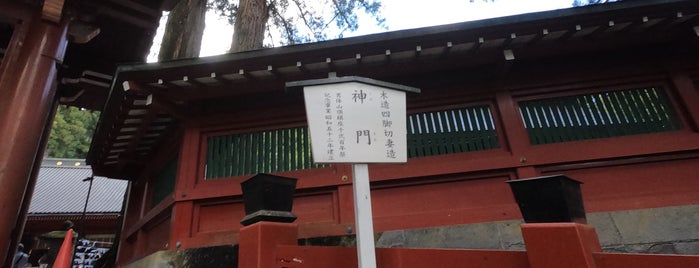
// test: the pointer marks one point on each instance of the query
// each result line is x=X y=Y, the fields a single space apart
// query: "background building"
x=60 y=194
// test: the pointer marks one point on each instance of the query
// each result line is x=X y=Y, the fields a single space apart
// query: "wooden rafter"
x=52 y=10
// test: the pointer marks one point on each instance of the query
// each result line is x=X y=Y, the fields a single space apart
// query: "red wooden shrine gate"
x=603 y=94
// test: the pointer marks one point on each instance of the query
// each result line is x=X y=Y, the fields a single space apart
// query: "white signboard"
x=355 y=122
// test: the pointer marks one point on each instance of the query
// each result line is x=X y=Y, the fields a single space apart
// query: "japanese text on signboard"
x=356 y=123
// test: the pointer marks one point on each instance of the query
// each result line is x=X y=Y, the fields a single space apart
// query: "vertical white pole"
x=363 y=220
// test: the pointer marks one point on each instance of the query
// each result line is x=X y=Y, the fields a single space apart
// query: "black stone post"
x=554 y=198
x=268 y=198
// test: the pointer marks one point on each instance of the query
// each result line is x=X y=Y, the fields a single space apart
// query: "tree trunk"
x=183 y=31
x=249 y=26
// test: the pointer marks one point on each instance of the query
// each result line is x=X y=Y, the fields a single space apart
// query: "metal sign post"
x=357 y=120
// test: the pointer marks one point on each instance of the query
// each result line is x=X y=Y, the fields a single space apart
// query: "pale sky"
x=399 y=14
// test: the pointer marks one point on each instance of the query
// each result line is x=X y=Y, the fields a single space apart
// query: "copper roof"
x=149 y=101
x=60 y=190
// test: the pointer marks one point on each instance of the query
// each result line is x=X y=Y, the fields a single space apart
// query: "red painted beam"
x=26 y=97
x=269 y=244
x=688 y=97
x=616 y=260
x=346 y=257
x=555 y=245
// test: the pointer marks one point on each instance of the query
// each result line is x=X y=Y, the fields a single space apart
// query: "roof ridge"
x=64 y=163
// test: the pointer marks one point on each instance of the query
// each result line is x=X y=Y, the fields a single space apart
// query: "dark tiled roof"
x=60 y=189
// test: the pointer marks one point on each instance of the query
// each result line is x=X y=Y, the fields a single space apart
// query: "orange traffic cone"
x=64 y=259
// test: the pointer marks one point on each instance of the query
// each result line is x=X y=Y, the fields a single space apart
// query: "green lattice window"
x=164 y=182
x=598 y=115
x=432 y=133
x=451 y=131
x=259 y=152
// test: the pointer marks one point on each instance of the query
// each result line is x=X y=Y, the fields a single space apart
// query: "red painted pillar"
x=29 y=192
x=27 y=90
x=182 y=211
x=555 y=245
x=259 y=241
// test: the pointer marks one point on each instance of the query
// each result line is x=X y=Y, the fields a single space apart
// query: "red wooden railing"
x=554 y=245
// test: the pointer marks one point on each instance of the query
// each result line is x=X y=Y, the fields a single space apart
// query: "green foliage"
x=71 y=132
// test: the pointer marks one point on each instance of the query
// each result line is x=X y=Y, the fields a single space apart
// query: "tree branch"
x=342 y=14
x=302 y=14
x=289 y=29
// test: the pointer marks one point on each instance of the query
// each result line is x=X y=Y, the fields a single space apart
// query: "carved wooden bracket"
x=81 y=32
x=52 y=10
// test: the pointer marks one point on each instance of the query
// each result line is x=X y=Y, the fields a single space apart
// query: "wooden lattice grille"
x=431 y=133
x=598 y=115
x=451 y=131
x=164 y=182
x=259 y=152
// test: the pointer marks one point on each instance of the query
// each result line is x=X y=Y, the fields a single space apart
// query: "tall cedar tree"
x=296 y=21
x=183 y=31
x=249 y=26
